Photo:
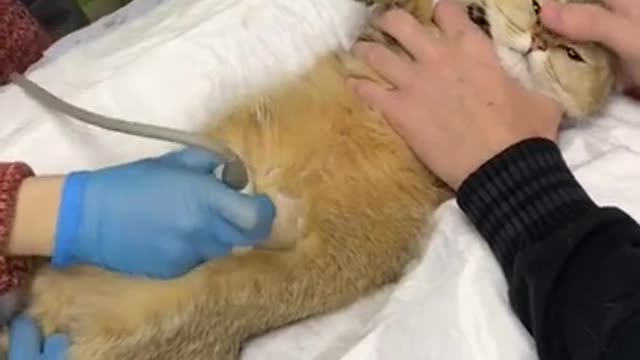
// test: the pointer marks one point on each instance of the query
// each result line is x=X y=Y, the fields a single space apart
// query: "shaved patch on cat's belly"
x=289 y=224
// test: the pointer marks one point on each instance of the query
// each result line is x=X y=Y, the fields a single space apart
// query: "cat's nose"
x=538 y=43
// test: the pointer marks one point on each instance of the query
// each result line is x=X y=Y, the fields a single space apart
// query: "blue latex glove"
x=26 y=343
x=157 y=217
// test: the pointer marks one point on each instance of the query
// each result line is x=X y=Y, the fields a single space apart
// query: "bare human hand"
x=615 y=26
x=453 y=103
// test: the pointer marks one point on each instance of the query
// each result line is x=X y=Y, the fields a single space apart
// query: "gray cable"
x=234 y=172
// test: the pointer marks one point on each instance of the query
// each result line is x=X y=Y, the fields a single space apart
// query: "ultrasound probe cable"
x=233 y=173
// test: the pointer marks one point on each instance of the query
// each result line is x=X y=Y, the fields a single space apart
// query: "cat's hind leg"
x=110 y=316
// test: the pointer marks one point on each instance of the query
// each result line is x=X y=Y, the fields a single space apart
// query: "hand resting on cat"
x=572 y=266
x=617 y=29
x=457 y=79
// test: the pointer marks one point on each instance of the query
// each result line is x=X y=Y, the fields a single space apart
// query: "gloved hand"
x=25 y=342
x=157 y=217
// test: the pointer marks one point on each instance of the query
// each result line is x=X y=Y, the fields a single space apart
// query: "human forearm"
x=572 y=268
x=36 y=215
x=522 y=196
x=28 y=210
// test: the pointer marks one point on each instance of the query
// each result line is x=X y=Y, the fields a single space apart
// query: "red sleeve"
x=12 y=270
x=23 y=39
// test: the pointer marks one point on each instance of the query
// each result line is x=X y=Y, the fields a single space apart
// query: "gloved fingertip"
x=177 y=265
x=24 y=338
x=260 y=216
x=56 y=347
x=266 y=207
x=269 y=210
x=224 y=236
x=57 y=344
x=212 y=249
x=192 y=158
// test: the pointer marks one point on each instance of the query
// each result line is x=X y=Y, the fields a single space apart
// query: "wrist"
x=69 y=219
x=33 y=232
x=522 y=196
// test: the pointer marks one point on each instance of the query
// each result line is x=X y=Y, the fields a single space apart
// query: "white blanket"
x=177 y=62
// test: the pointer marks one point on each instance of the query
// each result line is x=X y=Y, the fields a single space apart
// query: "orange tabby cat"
x=352 y=200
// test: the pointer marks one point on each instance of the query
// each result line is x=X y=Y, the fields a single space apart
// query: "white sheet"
x=177 y=62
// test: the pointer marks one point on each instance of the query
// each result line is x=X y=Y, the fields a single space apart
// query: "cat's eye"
x=536 y=7
x=573 y=55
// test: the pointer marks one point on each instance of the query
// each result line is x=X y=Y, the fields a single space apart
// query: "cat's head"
x=580 y=76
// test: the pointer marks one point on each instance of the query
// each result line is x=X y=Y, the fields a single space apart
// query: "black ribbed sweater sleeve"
x=573 y=268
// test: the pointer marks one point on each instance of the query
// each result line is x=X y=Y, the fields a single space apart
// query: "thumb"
x=56 y=347
x=588 y=23
x=24 y=338
x=191 y=158
x=248 y=213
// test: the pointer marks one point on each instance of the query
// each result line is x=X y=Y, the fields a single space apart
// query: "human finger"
x=24 y=339
x=383 y=61
x=628 y=8
x=192 y=158
x=586 y=22
x=374 y=95
x=451 y=18
x=407 y=31
x=56 y=347
x=224 y=236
